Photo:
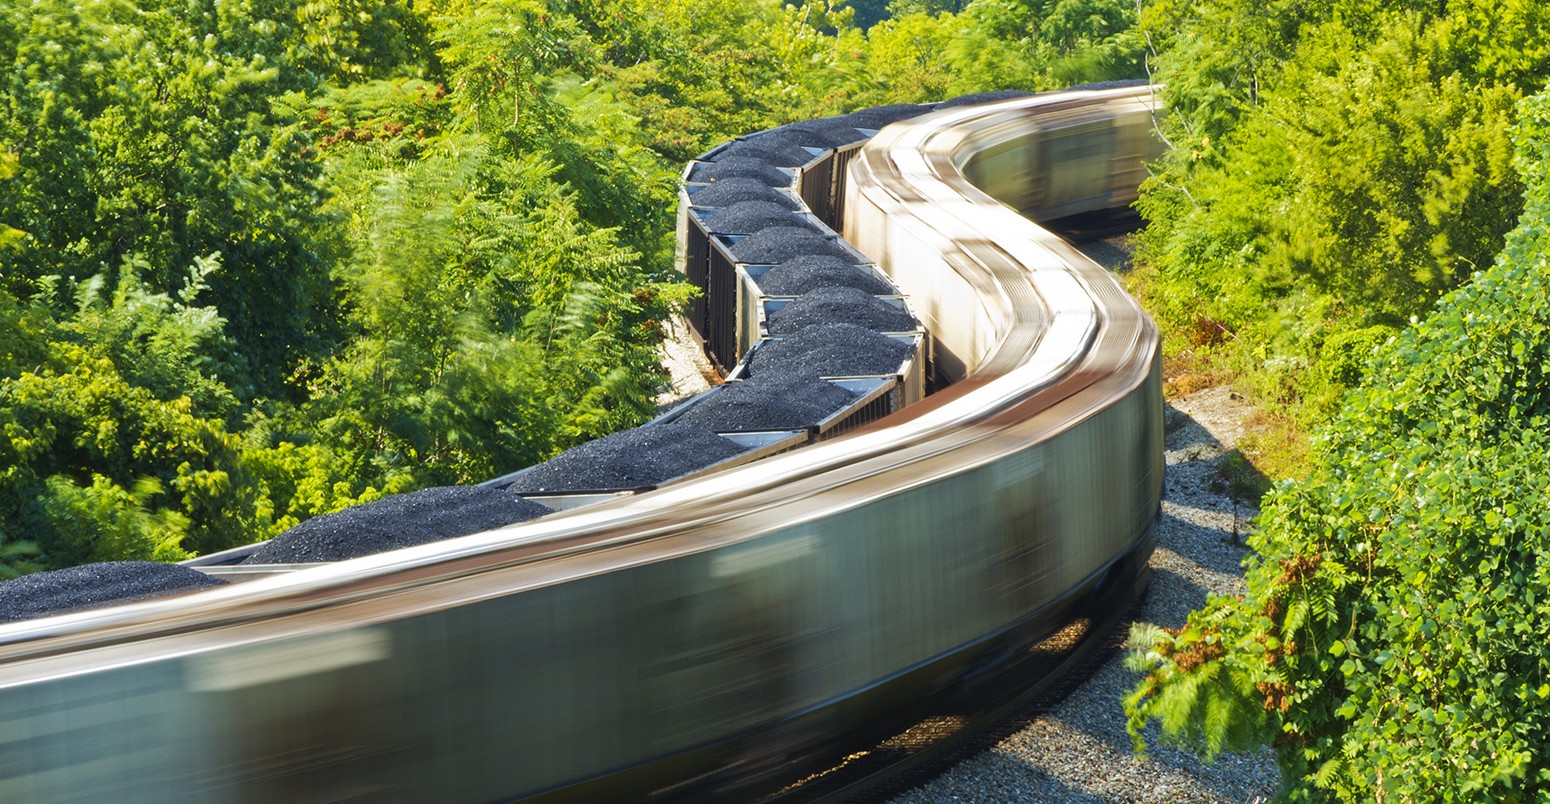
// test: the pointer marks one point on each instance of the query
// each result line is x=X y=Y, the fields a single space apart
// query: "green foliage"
x=495 y=328
x=1345 y=355
x=868 y=12
x=926 y=52
x=1393 y=639
x=150 y=130
x=1335 y=167
x=111 y=426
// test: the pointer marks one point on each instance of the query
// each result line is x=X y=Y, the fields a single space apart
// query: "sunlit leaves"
x=1394 y=634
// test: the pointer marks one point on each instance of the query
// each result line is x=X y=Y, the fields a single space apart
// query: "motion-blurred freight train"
x=701 y=633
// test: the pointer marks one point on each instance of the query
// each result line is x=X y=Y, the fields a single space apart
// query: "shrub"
x=1393 y=639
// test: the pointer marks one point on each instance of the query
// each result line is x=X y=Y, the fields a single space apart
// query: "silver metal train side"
x=705 y=628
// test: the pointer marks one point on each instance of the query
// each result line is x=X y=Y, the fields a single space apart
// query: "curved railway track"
x=712 y=629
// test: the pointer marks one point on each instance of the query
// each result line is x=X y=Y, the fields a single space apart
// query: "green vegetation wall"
x=1394 y=642
x=1335 y=167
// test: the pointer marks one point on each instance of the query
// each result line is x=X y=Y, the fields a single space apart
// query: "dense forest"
x=264 y=260
x=1352 y=226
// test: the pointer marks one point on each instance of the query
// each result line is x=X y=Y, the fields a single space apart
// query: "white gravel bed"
x=684 y=358
x=1079 y=751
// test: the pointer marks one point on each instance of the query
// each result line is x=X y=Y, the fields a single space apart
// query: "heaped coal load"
x=726 y=192
x=402 y=520
x=780 y=243
x=805 y=273
x=1099 y=85
x=879 y=116
x=768 y=402
x=772 y=147
x=740 y=167
x=976 y=98
x=823 y=133
x=95 y=585
x=748 y=217
x=830 y=350
x=645 y=456
x=840 y=306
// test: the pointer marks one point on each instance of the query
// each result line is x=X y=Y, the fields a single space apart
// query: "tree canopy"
x=263 y=260
x=1335 y=167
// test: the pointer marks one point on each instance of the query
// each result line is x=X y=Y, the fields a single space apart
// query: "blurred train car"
x=693 y=637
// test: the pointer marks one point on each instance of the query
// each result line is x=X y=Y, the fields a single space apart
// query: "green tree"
x=150 y=130
x=495 y=327
x=1392 y=641
x=1332 y=168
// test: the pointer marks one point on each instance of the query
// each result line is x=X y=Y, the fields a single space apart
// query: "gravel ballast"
x=768 y=402
x=748 y=217
x=726 y=192
x=740 y=167
x=839 y=305
x=402 y=520
x=644 y=456
x=805 y=273
x=830 y=350
x=780 y=243
x=95 y=585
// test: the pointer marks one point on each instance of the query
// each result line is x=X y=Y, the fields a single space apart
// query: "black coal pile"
x=740 y=167
x=726 y=192
x=748 y=217
x=822 y=133
x=1097 y=85
x=805 y=273
x=645 y=456
x=879 y=116
x=95 y=585
x=402 y=520
x=780 y=243
x=768 y=402
x=772 y=146
x=830 y=350
x=840 y=306
x=983 y=97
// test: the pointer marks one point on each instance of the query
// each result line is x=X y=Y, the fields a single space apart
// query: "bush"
x=1395 y=637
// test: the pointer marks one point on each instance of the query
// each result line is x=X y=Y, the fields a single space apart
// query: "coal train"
x=686 y=638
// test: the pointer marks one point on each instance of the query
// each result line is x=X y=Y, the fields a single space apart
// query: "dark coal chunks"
x=780 y=243
x=879 y=116
x=403 y=520
x=645 y=456
x=726 y=192
x=771 y=147
x=767 y=402
x=95 y=585
x=840 y=306
x=830 y=350
x=1097 y=85
x=977 y=98
x=823 y=133
x=800 y=275
x=740 y=167
x=748 y=217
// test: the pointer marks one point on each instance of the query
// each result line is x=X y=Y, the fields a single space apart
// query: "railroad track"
x=716 y=627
